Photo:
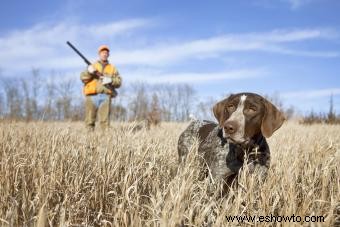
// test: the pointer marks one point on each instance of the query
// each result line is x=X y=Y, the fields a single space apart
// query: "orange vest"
x=90 y=88
x=107 y=69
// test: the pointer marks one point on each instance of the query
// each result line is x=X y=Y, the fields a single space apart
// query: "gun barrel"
x=78 y=52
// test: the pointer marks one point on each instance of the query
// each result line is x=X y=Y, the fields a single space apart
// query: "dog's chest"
x=221 y=157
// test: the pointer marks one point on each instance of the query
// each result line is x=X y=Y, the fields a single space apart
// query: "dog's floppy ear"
x=220 y=112
x=272 y=119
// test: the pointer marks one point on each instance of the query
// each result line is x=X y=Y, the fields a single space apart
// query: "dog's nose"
x=230 y=127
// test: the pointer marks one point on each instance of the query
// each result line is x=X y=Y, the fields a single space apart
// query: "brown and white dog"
x=244 y=120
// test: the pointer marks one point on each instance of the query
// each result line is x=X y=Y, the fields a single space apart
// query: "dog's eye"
x=231 y=107
x=252 y=109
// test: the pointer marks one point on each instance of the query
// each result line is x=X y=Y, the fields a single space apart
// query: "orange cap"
x=103 y=47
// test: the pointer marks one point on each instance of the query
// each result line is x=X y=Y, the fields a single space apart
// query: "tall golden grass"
x=56 y=174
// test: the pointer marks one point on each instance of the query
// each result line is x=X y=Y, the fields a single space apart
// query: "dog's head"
x=245 y=115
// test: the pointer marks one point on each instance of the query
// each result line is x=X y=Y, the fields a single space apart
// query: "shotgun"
x=98 y=74
x=78 y=52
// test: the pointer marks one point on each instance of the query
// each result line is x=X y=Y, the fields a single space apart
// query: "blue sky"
x=285 y=47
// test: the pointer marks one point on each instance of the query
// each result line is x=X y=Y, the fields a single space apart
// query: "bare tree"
x=139 y=102
x=35 y=92
x=28 y=111
x=331 y=116
x=13 y=99
x=185 y=99
x=119 y=113
x=64 y=100
x=49 y=112
x=204 y=109
x=166 y=100
x=154 y=116
x=289 y=112
x=30 y=89
x=175 y=101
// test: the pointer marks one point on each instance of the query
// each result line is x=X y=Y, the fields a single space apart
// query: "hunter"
x=101 y=79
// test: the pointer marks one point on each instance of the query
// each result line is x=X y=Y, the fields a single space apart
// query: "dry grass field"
x=54 y=174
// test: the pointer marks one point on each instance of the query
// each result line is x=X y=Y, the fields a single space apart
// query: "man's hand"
x=91 y=69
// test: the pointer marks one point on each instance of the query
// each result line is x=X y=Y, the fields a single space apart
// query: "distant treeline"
x=313 y=118
x=48 y=98
x=39 y=97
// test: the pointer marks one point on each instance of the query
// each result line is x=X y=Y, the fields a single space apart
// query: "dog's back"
x=195 y=130
x=212 y=147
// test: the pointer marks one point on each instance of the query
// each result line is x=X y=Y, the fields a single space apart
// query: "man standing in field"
x=100 y=81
